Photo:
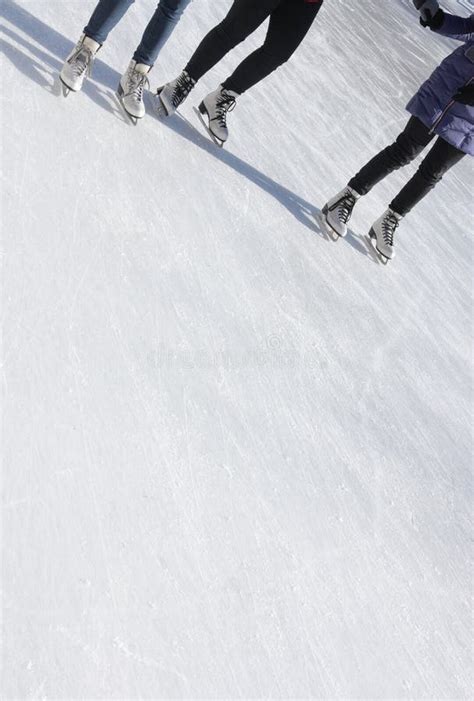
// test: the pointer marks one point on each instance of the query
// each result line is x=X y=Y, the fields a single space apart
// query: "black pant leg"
x=289 y=24
x=409 y=144
x=439 y=160
x=244 y=17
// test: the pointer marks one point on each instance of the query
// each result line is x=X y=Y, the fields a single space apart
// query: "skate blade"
x=65 y=89
x=129 y=117
x=380 y=258
x=160 y=109
x=332 y=233
x=214 y=138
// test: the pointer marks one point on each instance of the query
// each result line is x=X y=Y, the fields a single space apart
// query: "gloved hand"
x=465 y=95
x=431 y=15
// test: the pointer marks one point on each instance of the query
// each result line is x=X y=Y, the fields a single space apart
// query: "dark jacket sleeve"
x=455 y=27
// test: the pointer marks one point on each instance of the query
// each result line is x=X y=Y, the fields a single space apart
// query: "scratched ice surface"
x=236 y=455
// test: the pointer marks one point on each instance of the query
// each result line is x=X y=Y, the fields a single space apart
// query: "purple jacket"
x=433 y=104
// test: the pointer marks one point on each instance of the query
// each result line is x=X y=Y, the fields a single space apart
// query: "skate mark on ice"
x=305 y=212
x=96 y=510
x=164 y=666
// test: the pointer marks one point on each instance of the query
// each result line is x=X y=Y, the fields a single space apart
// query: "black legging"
x=411 y=142
x=289 y=23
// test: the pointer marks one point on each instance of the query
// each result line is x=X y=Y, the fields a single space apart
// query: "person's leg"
x=159 y=29
x=414 y=138
x=439 y=160
x=289 y=24
x=105 y=17
x=78 y=64
x=411 y=142
x=244 y=17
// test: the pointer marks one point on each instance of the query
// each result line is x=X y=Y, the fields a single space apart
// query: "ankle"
x=143 y=68
x=91 y=44
x=229 y=90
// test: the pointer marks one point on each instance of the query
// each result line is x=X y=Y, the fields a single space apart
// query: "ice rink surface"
x=237 y=455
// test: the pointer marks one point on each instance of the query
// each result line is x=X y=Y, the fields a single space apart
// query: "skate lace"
x=389 y=226
x=184 y=85
x=225 y=103
x=137 y=82
x=81 y=61
x=346 y=205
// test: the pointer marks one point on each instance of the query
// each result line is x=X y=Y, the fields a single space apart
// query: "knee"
x=171 y=9
x=232 y=33
x=277 y=58
x=431 y=175
x=276 y=53
x=403 y=151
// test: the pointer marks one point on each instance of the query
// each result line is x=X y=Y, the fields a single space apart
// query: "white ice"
x=237 y=455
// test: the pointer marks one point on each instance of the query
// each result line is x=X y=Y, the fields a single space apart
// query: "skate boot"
x=130 y=90
x=215 y=107
x=382 y=233
x=171 y=95
x=338 y=211
x=78 y=65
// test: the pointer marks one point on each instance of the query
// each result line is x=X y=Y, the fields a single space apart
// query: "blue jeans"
x=108 y=14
